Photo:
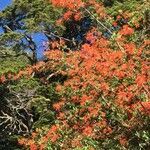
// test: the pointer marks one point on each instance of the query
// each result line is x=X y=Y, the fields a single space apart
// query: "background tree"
x=20 y=21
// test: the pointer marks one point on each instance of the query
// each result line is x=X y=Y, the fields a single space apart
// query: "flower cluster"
x=71 y=4
x=100 y=78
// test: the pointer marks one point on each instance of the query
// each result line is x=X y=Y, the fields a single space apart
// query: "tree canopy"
x=91 y=89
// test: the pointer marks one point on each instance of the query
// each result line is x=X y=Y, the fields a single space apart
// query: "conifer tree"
x=20 y=21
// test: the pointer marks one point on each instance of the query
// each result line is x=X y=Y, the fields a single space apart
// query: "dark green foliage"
x=9 y=144
x=12 y=64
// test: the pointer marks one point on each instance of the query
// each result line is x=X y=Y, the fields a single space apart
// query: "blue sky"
x=38 y=37
x=4 y=4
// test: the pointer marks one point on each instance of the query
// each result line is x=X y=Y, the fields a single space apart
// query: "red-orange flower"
x=140 y=80
x=33 y=147
x=58 y=106
x=126 y=30
x=58 y=88
x=130 y=48
x=77 y=16
x=85 y=99
x=67 y=15
x=145 y=107
x=123 y=140
x=2 y=79
x=87 y=131
x=71 y=4
x=22 y=141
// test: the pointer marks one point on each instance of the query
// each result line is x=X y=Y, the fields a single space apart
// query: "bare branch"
x=17 y=116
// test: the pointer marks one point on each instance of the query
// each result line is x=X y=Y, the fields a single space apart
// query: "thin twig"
x=51 y=75
x=98 y=21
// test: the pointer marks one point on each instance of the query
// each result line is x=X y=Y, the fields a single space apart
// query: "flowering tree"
x=99 y=93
